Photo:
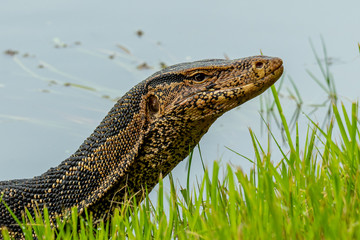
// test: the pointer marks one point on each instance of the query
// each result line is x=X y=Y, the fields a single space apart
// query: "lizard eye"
x=199 y=77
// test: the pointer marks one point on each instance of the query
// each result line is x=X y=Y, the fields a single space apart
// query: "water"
x=94 y=47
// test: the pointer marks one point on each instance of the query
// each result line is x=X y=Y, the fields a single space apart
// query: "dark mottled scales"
x=147 y=133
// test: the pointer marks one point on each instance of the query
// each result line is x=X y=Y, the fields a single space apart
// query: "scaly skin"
x=147 y=133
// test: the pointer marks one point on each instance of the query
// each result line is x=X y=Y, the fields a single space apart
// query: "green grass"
x=307 y=193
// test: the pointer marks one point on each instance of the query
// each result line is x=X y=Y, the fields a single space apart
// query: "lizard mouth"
x=264 y=83
x=240 y=93
x=253 y=89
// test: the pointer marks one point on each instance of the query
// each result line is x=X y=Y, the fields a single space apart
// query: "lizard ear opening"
x=153 y=104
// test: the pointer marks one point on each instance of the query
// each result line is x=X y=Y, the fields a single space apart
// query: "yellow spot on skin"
x=200 y=102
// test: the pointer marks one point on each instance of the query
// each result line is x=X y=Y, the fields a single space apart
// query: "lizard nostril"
x=259 y=64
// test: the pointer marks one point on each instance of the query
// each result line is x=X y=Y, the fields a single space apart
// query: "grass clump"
x=309 y=194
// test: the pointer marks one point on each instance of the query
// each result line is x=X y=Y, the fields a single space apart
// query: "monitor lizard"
x=148 y=132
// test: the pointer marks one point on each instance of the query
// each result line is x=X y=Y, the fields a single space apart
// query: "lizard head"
x=181 y=102
x=206 y=89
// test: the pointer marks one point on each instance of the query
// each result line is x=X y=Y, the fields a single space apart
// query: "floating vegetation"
x=143 y=66
x=163 y=65
x=58 y=43
x=139 y=33
x=11 y=52
x=79 y=86
x=126 y=50
x=106 y=96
